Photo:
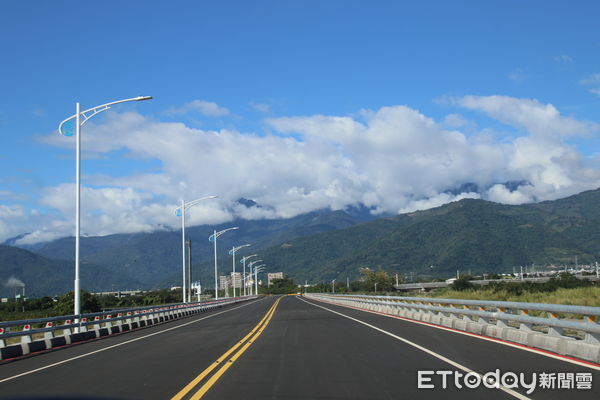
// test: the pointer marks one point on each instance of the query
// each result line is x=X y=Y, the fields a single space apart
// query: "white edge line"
x=474 y=335
x=430 y=352
x=118 y=344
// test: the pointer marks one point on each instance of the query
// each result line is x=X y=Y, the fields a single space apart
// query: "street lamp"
x=81 y=117
x=256 y=270
x=213 y=238
x=333 y=286
x=243 y=261
x=180 y=212
x=376 y=287
x=232 y=253
x=251 y=264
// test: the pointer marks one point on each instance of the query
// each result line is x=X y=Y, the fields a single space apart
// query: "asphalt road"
x=284 y=348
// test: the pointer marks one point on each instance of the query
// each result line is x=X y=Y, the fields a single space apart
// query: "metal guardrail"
x=491 y=313
x=72 y=328
x=482 y=282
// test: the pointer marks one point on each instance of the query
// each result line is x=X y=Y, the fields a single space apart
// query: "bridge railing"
x=26 y=336
x=565 y=329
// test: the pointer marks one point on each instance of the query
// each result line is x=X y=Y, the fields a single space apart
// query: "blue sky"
x=311 y=104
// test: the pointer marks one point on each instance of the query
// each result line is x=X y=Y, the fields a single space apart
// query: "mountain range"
x=474 y=235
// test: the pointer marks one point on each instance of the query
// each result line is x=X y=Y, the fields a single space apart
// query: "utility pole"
x=521 y=272
x=347 y=282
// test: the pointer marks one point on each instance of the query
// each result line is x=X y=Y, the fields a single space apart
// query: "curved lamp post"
x=180 y=212
x=257 y=269
x=232 y=253
x=213 y=238
x=243 y=261
x=81 y=117
x=251 y=264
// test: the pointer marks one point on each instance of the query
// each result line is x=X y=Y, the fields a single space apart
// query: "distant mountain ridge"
x=44 y=277
x=474 y=235
x=154 y=259
x=468 y=235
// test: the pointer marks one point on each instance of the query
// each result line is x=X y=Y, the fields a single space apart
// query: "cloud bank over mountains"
x=392 y=160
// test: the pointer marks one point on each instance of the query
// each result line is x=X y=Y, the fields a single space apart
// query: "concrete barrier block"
x=447 y=322
x=436 y=319
x=475 y=327
x=459 y=324
x=516 y=335
x=583 y=350
x=555 y=344
x=493 y=331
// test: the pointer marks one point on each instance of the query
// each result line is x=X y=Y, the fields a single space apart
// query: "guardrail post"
x=482 y=319
x=553 y=331
x=523 y=326
x=67 y=331
x=465 y=316
x=50 y=334
x=593 y=338
x=82 y=328
x=2 y=344
x=26 y=338
x=96 y=327
x=500 y=323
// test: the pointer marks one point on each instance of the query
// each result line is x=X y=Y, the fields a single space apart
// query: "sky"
x=297 y=105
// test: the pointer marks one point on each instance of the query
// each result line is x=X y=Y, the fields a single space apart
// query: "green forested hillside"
x=473 y=235
x=44 y=277
x=470 y=235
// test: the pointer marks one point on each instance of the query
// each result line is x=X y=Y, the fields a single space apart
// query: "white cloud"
x=501 y=194
x=394 y=159
x=200 y=106
x=539 y=120
x=263 y=108
x=518 y=76
x=593 y=81
x=563 y=59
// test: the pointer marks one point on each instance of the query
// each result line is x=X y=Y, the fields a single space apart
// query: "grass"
x=582 y=296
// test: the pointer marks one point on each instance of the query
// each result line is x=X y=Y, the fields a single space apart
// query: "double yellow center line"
x=245 y=343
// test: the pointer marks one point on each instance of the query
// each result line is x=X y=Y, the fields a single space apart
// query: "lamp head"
x=142 y=98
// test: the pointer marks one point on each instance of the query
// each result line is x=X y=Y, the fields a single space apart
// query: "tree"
x=369 y=278
x=281 y=286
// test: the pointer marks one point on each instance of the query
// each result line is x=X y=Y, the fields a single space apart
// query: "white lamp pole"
x=180 y=212
x=81 y=117
x=256 y=269
x=333 y=286
x=243 y=261
x=232 y=253
x=251 y=264
x=213 y=238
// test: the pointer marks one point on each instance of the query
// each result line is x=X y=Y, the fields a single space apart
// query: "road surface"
x=289 y=347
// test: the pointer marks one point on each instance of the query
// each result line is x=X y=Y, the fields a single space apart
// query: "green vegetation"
x=63 y=305
x=565 y=289
x=280 y=286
